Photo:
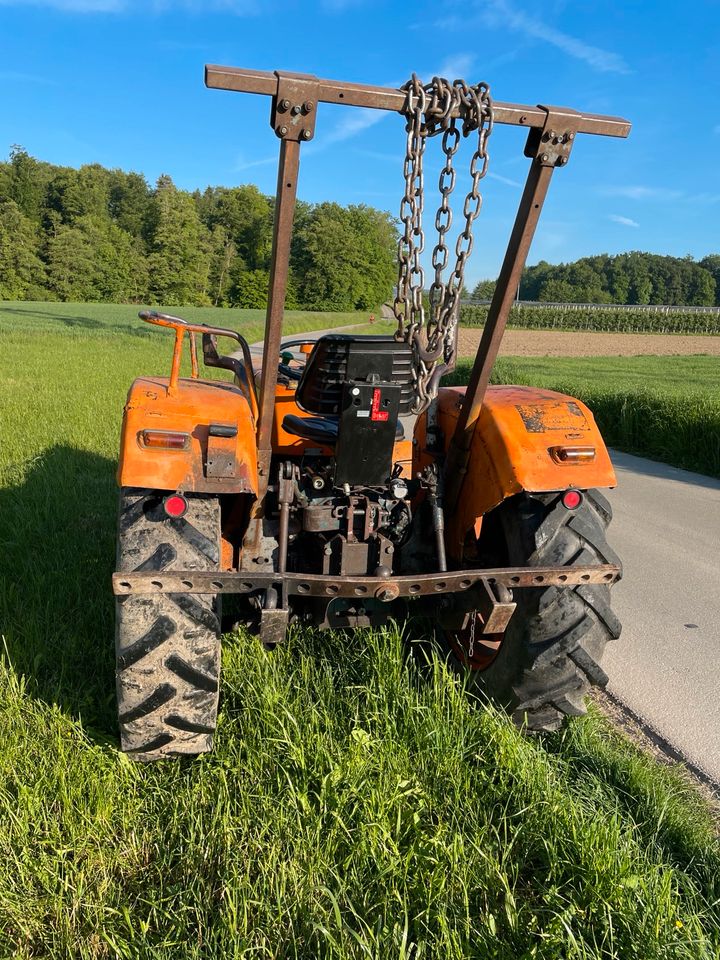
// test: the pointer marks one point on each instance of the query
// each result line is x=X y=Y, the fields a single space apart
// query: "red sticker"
x=375 y=412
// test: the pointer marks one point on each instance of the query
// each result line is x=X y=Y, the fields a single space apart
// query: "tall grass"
x=357 y=804
x=666 y=408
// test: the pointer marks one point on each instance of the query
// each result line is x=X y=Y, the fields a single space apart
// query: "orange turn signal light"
x=164 y=439
x=572 y=454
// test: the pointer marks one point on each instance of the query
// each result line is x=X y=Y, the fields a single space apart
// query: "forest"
x=634 y=278
x=94 y=234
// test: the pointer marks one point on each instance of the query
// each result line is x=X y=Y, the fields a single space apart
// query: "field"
x=357 y=803
x=612 y=319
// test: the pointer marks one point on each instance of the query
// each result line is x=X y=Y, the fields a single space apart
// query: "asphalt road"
x=666 y=664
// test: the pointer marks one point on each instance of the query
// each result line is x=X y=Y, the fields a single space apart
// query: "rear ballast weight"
x=352 y=487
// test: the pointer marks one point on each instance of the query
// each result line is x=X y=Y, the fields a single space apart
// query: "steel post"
x=288 y=167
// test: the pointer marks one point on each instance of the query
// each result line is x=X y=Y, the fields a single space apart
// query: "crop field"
x=357 y=804
x=607 y=319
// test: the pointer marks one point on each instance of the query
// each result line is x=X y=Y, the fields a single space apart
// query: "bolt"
x=296 y=110
x=558 y=140
x=328 y=550
x=571 y=136
x=306 y=134
x=544 y=157
x=281 y=131
x=284 y=104
x=550 y=135
x=308 y=106
x=563 y=161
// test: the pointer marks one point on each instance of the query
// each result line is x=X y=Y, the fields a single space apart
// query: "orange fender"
x=511 y=450
x=206 y=463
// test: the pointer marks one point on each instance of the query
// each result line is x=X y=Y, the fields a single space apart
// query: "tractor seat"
x=322 y=430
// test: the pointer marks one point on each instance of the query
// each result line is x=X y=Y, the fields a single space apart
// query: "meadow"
x=357 y=803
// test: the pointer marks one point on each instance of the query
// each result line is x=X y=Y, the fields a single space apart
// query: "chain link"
x=429 y=111
x=473 y=621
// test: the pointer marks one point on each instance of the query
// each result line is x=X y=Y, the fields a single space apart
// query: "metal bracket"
x=496 y=606
x=552 y=144
x=294 y=106
x=221 y=451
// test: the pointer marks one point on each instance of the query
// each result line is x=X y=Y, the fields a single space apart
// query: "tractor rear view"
x=341 y=485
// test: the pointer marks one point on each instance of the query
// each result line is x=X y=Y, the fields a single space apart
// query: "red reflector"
x=175 y=505
x=163 y=438
x=572 y=499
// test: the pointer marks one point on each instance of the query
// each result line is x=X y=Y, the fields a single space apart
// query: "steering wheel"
x=287 y=358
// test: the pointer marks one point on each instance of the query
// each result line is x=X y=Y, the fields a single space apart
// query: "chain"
x=473 y=619
x=429 y=111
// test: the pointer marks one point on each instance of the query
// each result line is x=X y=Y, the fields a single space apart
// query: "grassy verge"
x=356 y=805
x=666 y=408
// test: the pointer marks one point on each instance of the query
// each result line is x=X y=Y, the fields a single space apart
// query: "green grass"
x=666 y=408
x=596 y=320
x=356 y=804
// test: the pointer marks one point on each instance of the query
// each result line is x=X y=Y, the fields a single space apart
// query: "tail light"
x=164 y=439
x=175 y=505
x=572 y=454
x=572 y=499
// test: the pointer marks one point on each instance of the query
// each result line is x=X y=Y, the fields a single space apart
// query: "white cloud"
x=71 y=6
x=639 y=192
x=501 y=13
x=625 y=221
x=456 y=66
x=506 y=180
x=242 y=7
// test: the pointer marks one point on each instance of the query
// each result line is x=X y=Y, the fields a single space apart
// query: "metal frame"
x=328 y=587
x=295 y=97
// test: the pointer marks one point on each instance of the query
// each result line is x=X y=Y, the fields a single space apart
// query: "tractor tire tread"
x=167 y=645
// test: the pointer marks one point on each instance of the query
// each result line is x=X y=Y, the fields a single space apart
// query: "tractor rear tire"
x=550 y=653
x=167 y=645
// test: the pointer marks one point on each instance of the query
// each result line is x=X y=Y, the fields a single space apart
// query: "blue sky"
x=120 y=82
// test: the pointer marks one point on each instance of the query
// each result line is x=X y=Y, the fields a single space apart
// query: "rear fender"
x=510 y=451
x=197 y=408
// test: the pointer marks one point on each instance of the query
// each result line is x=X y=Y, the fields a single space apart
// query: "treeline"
x=635 y=278
x=95 y=234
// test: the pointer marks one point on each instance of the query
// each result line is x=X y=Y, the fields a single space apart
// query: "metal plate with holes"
x=317 y=585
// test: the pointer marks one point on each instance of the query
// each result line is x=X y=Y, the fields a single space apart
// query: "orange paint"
x=191 y=408
x=510 y=451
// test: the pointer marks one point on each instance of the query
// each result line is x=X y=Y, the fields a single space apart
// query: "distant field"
x=357 y=804
x=615 y=320
x=108 y=318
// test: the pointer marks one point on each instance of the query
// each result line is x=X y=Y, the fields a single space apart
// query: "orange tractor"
x=342 y=485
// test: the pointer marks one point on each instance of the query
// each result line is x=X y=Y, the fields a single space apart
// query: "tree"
x=21 y=270
x=344 y=258
x=484 y=290
x=179 y=261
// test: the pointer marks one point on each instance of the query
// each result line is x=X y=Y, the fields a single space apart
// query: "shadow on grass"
x=57 y=531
